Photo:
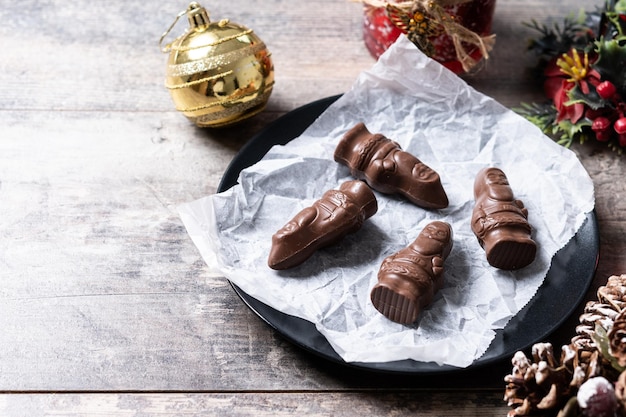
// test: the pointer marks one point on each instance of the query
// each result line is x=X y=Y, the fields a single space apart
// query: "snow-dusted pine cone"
x=611 y=301
x=620 y=392
x=537 y=386
x=614 y=292
x=543 y=385
x=617 y=339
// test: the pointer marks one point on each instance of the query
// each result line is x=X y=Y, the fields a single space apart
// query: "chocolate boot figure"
x=383 y=164
x=329 y=219
x=409 y=279
x=500 y=222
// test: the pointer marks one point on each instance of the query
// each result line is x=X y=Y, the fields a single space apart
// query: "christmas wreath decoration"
x=583 y=63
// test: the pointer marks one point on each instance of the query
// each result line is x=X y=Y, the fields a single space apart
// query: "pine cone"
x=544 y=385
x=611 y=301
x=602 y=315
x=620 y=391
x=539 y=386
x=617 y=339
x=614 y=292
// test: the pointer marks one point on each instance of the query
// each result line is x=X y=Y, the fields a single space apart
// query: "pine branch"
x=542 y=115
x=558 y=39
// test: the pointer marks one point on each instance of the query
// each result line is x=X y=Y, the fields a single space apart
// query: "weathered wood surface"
x=280 y=404
x=101 y=289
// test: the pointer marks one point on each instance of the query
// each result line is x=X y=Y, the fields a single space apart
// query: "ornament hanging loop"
x=167 y=47
x=198 y=20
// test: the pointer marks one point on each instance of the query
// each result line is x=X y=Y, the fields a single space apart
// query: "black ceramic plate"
x=568 y=279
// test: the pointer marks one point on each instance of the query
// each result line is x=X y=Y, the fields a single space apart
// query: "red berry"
x=600 y=124
x=596 y=397
x=620 y=125
x=622 y=140
x=592 y=114
x=601 y=127
x=603 y=136
x=606 y=89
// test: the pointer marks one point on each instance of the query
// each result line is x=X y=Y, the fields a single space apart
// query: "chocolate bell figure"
x=409 y=279
x=383 y=164
x=329 y=219
x=500 y=223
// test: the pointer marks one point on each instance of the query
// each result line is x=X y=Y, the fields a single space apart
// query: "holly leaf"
x=592 y=99
x=601 y=338
x=569 y=131
x=611 y=63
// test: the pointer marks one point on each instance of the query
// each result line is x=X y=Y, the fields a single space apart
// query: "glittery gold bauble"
x=217 y=73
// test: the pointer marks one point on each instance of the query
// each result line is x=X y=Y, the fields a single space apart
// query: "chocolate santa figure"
x=500 y=222
x=329 y=219
x=388 y=169
x=409 y=279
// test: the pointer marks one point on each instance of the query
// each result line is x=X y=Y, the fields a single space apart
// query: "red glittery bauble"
x=379 y=33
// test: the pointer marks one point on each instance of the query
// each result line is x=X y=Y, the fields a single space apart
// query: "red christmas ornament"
x=432 y=32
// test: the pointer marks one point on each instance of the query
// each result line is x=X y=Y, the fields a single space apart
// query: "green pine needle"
x=542 y=115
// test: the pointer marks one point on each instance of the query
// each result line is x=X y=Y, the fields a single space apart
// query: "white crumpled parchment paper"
x=456 y=131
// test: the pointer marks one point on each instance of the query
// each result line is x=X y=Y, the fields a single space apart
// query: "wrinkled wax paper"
x=455 y=130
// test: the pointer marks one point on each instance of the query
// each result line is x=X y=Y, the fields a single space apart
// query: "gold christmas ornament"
x=217 y=73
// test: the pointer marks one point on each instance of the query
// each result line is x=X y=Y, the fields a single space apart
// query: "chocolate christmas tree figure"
x=383 y=164
x=500 y=223
x=409 y=279
x=329 y=219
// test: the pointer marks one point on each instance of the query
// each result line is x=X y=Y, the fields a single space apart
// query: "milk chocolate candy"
x=383 y=164
x=329 y=219
x=500 y=222
x=409 y=279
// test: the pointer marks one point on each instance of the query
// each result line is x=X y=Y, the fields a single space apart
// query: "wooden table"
x=106 y=306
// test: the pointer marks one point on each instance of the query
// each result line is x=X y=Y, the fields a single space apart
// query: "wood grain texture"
x=315 y=404
x=102 y=293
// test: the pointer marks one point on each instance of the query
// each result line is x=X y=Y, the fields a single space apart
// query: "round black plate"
x=566 y=284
